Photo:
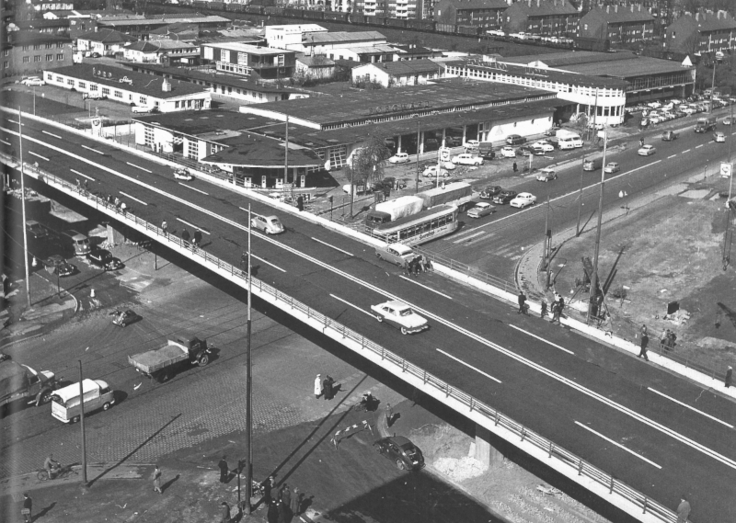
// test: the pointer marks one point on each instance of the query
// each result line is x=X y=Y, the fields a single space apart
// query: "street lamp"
x=593 y=300
x=418 y=137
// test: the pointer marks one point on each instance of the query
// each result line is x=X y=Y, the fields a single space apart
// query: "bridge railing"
x=393 y=362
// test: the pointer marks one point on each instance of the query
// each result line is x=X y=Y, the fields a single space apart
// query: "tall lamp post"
x=23 y=213
x=593 y=301
x=248 y=388
x=416 y=184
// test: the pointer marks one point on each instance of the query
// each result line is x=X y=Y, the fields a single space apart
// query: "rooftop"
x=249 y=150
x=634 y=67
x=160 y=44
x=564 y=58
x=479 y=4
x=407 y=67
x=707 y=20
x=141 y=83
x=543 y=7
x=247 y=48
x=337 y=37
x=612 y=15
x=133 y=22
x=33 y=37
x=297 y=28
x=108 y=36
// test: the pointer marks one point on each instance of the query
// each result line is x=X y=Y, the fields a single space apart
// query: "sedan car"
x=36 y=230
x=183 y=174
x=546 y=175
x=140 y=109
x=719 y=137
x=481 y=209
x=545 y=147
x=504 y=197
x=103 y=259
x=33 y=81
x=508 y=152
x=123 y=318
x=612 y=167
x=489 y=192
x=431 y=171
x=397 y=253
x=515 y=139
x=471 y=144
x=646 y=150
x=467 y=159
x=729 y=120
x=668 y=136
x=399 y=158
x=56 y=264
x=449 y=166
x=267 y=224
x=400 y=315
x=401 y=451
x=524 y=199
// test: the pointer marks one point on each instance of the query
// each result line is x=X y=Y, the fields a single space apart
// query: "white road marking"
x=689 y=407
x=331 y=246
x=469 y=366
x=6 y=143
x=192 y=225
x=193 y=189
x=51 y=134
x=133 y=198
x=425 y=287
x=13 y=121
x=93 y=150
x=671 y=156
x=84 y=175
x=461 y=240
x=618 y=445
x=267 y=262
x=39 y=156
x=541 y=339
x=686 y=151
x=353 y=306
x=531 y=364
x=139 y=167
x=699 y=146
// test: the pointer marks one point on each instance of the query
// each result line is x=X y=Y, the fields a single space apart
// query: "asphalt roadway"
x=642 y=425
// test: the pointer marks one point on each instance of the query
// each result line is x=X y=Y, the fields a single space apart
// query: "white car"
x=33 y=81
x=400 y=315
x=471 y=144
x=183 y=174
x=495 y=32
x=431 y=171
x=508 y=152
x=467 y=159
x=399 y=158
x=646 y=150
x=267 y=224
x=481 y=209
x=543 y=146
x=140 y=109
x=523 y=199
x=719 y=137
x=612 y=167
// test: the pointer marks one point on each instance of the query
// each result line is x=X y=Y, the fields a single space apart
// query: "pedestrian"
x=643 y=330
x=522 y=303
x=273 y=512
x=295 y=501
x=267 y=487
x=157 y=480
x=415 y=267
x=300 y=203
x=224 y=470
x=729 y=373
x=165 y=227
x=683 y=510
x=185 y=236
x=516 y=167
x=389 y=414
x=543 y=309
x=427 y=264
x=225 y=512
x=197 y=238
x=123 y=207
x=318 y=386
x=644 y=343
x=282 y=508
x=117 y=202
x=285 y=495
x=27 y=510
x=556 y=312
x=327 y=387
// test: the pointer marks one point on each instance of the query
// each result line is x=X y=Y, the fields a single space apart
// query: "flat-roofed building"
x=245 y=59
x=322 y=43
x=290 y=36
x=156 y=50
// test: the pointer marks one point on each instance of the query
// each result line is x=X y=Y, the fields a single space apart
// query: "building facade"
x=703 y=32
x=246 y=59
x=30 y=52
x=542 y=17
x=618 y=25
x=106 y=42
x=488 y=14
x=156 y=50
x=398 y=74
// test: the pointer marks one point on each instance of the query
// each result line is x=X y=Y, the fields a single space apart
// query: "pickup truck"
x=21 y=382
x=161 y=364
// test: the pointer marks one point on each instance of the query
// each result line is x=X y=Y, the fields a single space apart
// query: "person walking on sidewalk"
x=729 y=374
x=318 y=386
x=224 y=470
x=327 y=387
x=157 y=480
x=515 y=167
x=267 y=487
x=522 y=303
x=543 y=309
x=185 y=237
x=285 y=495
x=197 y=238
x=27 y=510
x=644 y=343
x=165 y=228
x=295 y=501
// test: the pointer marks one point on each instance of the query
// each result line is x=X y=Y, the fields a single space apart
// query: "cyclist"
x=52 y=466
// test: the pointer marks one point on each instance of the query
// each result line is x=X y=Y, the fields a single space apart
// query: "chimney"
x=165 y=86
x=538 y=1
x=615 y=8
x=697 y=16
x=608 y=9
x=632 y=8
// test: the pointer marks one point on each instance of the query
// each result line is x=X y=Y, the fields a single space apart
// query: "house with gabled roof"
x=542 y=17
x=620 y=25
x=487 y=14
x=103 y=41
x=704 y=32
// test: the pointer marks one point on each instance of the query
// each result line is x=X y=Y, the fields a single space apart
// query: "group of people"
x=324 y=388
x=196 y=239
x=556 y=308
x=418 y=263
x=284 y=505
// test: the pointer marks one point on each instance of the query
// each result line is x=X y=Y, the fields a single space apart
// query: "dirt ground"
x=670 y=250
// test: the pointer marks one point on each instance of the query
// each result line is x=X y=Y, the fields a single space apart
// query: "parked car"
x=719 y=137
x=728 y=120
x=431 y=171
x=139 y=109
x=646 y=150
x=546 y=175
x=36 y=230
x=481 y=209
x=449 y=166
x=401 y=451
x=267 y=224
x=399 y=158
x=397 y=253
x=525 y=151
x=612 y=167
x=103 y=259
x=183 y=174
x=668 y=136
x=504 y=197
x=524 y=199
x=490 y=191
x=123 y=318
x=95 y=55
x=467 y=159
x=471 y=144
x=93 y=95
x=33 y=81
x=508 y=152
x=400 y=315
x=56 y=264
x=544 y=147
x=515 y=139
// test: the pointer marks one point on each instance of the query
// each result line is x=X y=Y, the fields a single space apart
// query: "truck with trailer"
x=705 y=124
x=163 y=363
x=22 y=383
x=392 y=210
x=459 y=194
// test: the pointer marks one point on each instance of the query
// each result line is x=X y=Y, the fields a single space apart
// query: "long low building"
x=130 y=88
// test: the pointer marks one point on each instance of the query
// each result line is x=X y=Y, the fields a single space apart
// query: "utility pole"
x=593 y=301
x=248 y=388
x=81 y=417
x=416 y=187
x=286 y=157
x=23 y=212
x=580 y=197
x=712 y=87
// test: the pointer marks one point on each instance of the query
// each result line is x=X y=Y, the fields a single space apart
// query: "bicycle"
x=62 y=472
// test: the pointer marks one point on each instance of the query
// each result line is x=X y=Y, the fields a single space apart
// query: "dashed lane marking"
x=38 y=155
x=193 y=189
x=139 y=167
x=618 y=445
x=82 y=174
x=425 y=287
x=331 y=246
x=541 y=339
x=689 y=407
x=93 y=150
x=468 y=365
x=51 y=134
x=133 y=198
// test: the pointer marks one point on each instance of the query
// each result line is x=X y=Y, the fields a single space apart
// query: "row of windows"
x=36 y=47
x=49 y=58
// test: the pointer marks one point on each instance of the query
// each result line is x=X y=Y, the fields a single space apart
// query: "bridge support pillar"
x=482 y=450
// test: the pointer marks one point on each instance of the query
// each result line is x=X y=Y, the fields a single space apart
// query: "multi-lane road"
x=661 y=435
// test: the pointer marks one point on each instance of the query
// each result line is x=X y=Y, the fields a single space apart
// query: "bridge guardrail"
x=494 y=417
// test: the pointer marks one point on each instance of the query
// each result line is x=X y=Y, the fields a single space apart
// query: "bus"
x=421 y=227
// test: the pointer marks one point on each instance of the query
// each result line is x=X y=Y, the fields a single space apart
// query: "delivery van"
x=65 y=404
x=569 y=142
x=592 y=164
x=80 y=242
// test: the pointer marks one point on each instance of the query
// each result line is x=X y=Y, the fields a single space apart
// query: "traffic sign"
x=726 y=169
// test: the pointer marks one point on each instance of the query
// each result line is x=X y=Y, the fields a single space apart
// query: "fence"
x=493 y=419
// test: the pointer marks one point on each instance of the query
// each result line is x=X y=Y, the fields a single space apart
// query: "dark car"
x=515 y=139
x=124 y=318
x=486 y=153
x=36 y=230
x=55 y=264
x=525 y=151
x=401 y=451
x=504 y=197
x=668 y=136
x=95 y=55
x=490 y=191
x=103 y=259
